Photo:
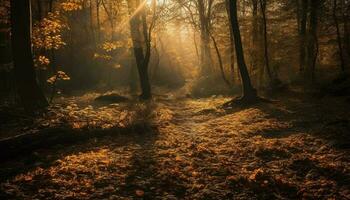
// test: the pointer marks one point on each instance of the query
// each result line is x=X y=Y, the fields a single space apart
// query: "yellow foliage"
x=60 y=75
x=41 y=62
x=47 y=34
x=71 y=6
x=102 y=56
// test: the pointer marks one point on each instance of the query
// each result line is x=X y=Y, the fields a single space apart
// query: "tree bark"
x=255 y=35
x=220 y=61
x=232 y=46
x=346 y=6
x=339 y=41
x=249 y=92
x=266 y=53
x=98 y=2
x=138 y=23
x=206 y=61
x=312 y=48
x=30 y=94
x=302 y=34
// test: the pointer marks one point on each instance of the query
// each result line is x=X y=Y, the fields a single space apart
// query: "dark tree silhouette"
x=312 y=44
x=141 y=37
x=302 y=19
x=274 y=81
x=29 y=92
x=249 y=92
x=339 y=40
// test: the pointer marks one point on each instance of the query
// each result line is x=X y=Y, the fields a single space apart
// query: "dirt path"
x=290 y=149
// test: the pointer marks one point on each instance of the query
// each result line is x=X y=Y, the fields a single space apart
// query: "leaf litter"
x=198 y=151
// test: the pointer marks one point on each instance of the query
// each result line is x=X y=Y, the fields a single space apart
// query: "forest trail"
x=195 y=150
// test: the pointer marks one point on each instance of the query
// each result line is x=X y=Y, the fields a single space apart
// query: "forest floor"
x=291 y=148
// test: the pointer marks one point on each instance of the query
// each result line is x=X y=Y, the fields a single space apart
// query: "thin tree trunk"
x=195 y=44
x=313 y=41
x=249 y=92
x=232 y=46
x=266 y=53
x=110 y=19
x=340 y=46
x=255 y=35
x=30 y=94
x=232 y=56
x=98 y=20
x=220 y=61
x=92 y=23
x=346 y=28
x=302 y=35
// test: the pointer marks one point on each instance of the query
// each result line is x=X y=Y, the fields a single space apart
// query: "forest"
x=175 y=99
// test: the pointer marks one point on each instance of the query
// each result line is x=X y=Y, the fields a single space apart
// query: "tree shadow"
x=141 y=176
x=308 y=169
x=322 y=118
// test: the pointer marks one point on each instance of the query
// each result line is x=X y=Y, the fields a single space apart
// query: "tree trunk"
x=110 y=19
x=205 y=39
x=312 y=48
x=346 y=6
x=232 y=46
x=266 y=53
x=340 y=46
x=249 y=93
x=274 y=81
x=302 y=34
x=220 y=61
x=255 y=35
x=138 y=23
x=195 y=45
x=98 y=2
x=30 y=94
x=92 y=23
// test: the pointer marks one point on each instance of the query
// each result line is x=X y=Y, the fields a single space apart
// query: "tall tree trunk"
x=346 y=25
x=206 y=61
x=92 y=29
x=312 y=48
x=274 y=81
x=30 y=94
x=266 y=53
x=110 y=18
x=232 y=46
x=138 y=23
x=255 y=35
x=98 y=2
x=195 y=45
x=249 y=92
x=302 y=34
x=220 y=61
x=340 y=46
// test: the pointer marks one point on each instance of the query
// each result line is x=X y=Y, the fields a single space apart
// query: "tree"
x=29 y=92
x=204 y=11
x=274 y=81
x=220 y=60
x=312 y=43
x=249 y=92
x=232 y=44
x=200 y=14
x=339 y=40
x=302 y=19
x=141 y=38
